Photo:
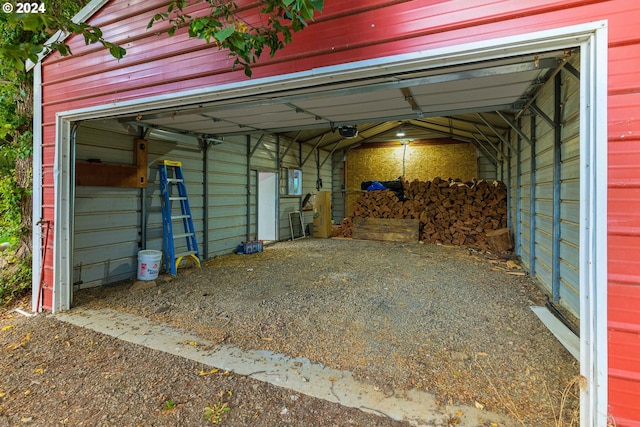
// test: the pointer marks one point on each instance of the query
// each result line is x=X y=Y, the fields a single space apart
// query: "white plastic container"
x=149 y=264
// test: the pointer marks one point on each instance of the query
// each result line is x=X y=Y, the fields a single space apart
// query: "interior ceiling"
x=470 y=102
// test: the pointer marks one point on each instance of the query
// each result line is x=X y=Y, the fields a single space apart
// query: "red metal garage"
x=356 y=41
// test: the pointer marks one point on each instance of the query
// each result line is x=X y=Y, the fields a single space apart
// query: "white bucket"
x=149 y=264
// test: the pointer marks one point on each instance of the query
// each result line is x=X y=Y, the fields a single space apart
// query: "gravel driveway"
x=447 y=320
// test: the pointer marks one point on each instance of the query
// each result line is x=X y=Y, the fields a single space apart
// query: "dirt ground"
x=450 y=321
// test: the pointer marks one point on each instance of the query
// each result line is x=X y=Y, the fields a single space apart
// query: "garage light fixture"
x=400 y=132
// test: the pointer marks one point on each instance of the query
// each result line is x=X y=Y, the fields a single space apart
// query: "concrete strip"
x=298 y=374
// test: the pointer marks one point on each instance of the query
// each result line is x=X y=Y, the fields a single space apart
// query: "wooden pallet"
x=386 y=229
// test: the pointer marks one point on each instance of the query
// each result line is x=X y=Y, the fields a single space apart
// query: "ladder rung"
x=175 y=180
x=178 y=236
x=177 y=198
x=181 y=217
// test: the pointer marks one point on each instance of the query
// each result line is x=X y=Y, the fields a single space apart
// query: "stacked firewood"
x=450 y=211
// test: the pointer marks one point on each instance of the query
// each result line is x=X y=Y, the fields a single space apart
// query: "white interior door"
x=267 y=206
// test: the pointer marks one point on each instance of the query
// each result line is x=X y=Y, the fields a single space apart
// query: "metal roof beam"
x=551 y=74
x=514 y=127
x=335 y=147
x=572 y=70
x=451 y=132
x=495 y=131
x=536 y=110
x=255 y=147
x=314 y=147
x=408 y=96
x=498 y=152
x=291 y=143
x=486 y=152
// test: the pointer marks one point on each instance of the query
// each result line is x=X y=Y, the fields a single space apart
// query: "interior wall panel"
x=542 y=265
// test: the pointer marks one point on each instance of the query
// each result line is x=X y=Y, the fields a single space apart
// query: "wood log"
x=500 y=240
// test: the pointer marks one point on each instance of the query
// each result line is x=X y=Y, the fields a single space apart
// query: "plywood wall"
x=423 y=160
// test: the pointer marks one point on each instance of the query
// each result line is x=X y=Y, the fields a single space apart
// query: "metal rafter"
x=495 y=131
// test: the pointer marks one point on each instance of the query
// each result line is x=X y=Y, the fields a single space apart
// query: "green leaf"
x=239 y=44
x=247 y=70
x=117 y=51
x=31 y=21
x=64 y=49
x=224 y=34
x=197 y=25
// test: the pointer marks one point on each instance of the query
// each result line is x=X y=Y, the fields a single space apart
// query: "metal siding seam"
x=532 y=196
x=509 y=190
x=518 y=239
x=278 y=199
x=248 y=179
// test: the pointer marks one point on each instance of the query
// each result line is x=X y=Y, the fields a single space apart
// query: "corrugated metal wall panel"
x=486 y=169
x=227 y=195
x=624 y=395
x=107 y=220
x=624 y=230
x=228 y=188
x=524 y=167
x=338 y=194
x=544 y=261
x=544 y=156
x=570 y=191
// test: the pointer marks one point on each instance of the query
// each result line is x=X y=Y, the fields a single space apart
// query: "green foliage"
x=245 y=42
x=214 y=412
x=168 y=405
x=15 y=279
x=29 y=31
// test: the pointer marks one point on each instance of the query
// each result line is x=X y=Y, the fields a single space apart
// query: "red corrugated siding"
x=351 y=30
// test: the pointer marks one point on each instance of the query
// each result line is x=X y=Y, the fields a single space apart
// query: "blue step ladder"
x=171 y=176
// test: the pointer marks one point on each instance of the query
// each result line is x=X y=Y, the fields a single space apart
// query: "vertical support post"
x=206 y=145
x=143 y=218
x=508 y=183
x=532 y=198
x=278 y=186
x=143 y=191
x=248 y=172
x=557 y=171
x=518 y=232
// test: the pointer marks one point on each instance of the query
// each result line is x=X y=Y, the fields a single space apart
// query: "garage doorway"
x=592 y=41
